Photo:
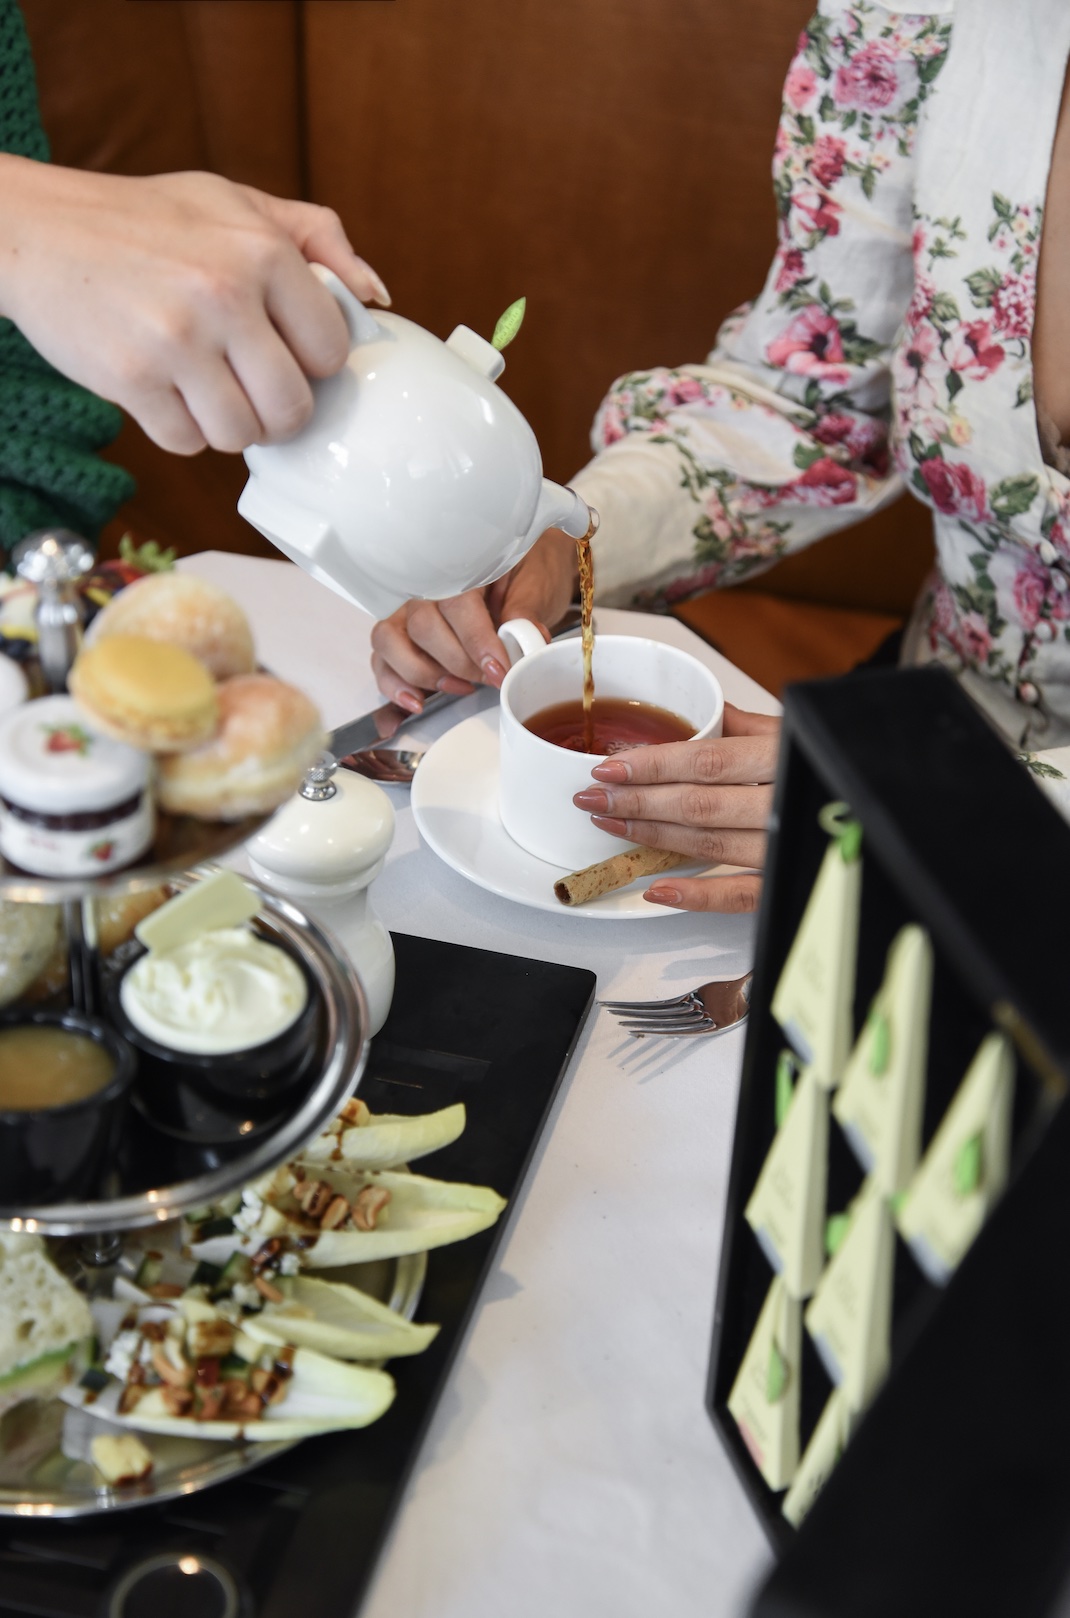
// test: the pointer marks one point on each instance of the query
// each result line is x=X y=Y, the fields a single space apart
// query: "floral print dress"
x=890 y=346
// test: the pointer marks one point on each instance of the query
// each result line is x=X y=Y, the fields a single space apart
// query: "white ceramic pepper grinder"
x=323 y=849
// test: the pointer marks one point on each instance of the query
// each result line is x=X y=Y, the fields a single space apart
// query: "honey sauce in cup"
x=64 y=1080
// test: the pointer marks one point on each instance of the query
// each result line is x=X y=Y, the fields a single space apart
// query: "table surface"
x=571 y=1468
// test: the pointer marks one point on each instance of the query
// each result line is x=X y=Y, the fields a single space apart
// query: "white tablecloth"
x=571 y=1469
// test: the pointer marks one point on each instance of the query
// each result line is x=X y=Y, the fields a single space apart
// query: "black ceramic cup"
x=58 y=1154
x=233 y=1096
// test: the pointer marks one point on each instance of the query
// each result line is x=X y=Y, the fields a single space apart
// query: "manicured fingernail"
x=493 y=673
x=663 y=896
x=612 y=770
x=379 y=293
x=409 y=700
x=593 y=799
x=619 y=828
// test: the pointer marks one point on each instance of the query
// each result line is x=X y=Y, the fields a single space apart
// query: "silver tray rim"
x=208 y=840
x=223 y=1460
x=347 y=1041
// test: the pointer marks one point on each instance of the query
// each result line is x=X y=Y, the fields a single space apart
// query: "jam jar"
x=72 y=802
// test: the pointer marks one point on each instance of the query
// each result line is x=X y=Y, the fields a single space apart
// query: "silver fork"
x=708 y=1009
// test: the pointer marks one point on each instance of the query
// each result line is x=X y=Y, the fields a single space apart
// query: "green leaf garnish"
x=880 y=1042
x=509 y=324
x=785 y=1085
x=776 y=1376
x=969 y=1161
x=148 y=556
x=836 y=1228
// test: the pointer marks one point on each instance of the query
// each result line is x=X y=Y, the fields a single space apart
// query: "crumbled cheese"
x=122 y=1353
x=248 y=1215
x=245 y=1294
x=289 y=1264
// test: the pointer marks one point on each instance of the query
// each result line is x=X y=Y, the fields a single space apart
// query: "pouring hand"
x=707 y=799
x=183 y=298
x=453 y=645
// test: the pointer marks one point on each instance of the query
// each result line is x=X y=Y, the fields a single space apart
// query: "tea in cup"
x=646 y=693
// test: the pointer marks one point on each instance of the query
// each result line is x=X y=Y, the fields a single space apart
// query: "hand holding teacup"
x=709 y=799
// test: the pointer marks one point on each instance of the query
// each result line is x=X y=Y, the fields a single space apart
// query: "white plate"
x=455 y=802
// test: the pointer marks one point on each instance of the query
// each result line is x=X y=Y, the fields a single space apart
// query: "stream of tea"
x=586 y=570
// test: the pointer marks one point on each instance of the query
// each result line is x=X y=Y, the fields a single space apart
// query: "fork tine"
x=642 y=1029
x=665 y=1025
x=662 y=1013
x=640 y=1007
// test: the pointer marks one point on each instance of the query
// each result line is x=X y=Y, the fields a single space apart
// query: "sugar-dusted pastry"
x=184 y=611
x=269 y=733
x=146 y=693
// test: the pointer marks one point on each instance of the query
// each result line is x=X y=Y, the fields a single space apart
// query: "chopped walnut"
x=336 y=1211
x=210 y=1404
x=170 y=1373
x=369 y=1205
x=314 y=1197
x=177 y=1401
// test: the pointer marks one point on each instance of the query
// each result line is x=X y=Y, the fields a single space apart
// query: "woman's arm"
x=710 y=472
x=707 y=473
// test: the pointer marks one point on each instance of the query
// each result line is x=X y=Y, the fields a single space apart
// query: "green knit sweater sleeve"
x=50 y=428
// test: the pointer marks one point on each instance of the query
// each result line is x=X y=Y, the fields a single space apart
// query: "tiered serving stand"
x=36 y=1477
x=154 y=1178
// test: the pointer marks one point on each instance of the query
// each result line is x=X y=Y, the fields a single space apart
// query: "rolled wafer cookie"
x=616 y=872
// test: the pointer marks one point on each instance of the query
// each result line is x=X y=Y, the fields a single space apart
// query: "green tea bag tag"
x=787 y=1207
x=827 y=1443
x=850 y=1314
x=813 y=997
x=965 y=1169
x=880 y=1102
x=764 y=1402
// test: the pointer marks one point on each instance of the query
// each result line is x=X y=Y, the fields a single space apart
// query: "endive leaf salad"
x=229 y=1336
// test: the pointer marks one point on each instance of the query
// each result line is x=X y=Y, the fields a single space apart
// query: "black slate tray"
x=301 y=1534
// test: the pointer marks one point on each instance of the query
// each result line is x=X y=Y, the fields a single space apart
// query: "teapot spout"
x=560 y=508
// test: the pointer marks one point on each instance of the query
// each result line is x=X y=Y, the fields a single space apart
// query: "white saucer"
x=455 y=802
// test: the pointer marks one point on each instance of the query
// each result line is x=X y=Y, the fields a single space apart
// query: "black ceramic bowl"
x=219 y=1098
x=58 y=1154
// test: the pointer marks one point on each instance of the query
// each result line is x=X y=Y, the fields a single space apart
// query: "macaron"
x=146 y=693
x=268 y=735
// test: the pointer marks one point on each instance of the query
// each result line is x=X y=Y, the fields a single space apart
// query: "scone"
x=185 y=611
x=145 y=693
x=269 y=733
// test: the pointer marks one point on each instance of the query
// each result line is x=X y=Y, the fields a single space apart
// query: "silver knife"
x=381 y=724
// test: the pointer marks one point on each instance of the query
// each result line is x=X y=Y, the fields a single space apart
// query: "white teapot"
x=416 y=475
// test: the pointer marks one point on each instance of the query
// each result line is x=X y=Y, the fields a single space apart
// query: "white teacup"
x=537 y=778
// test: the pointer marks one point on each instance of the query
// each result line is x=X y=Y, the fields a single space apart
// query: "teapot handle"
x=363 y=326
